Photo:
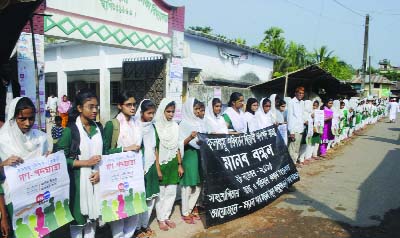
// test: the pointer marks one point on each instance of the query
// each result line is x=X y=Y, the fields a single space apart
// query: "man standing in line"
x=296 y=123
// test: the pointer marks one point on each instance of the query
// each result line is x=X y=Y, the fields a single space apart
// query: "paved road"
x=356 y=187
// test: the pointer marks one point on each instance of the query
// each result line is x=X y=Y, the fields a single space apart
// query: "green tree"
x=322 y=54
x=240 y=41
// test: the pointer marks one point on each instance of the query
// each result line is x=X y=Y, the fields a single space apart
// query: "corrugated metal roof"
x=374 y=79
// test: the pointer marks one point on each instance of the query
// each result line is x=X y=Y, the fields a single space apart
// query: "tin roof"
x=374 y=79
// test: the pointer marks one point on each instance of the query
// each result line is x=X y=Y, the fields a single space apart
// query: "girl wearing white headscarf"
x=18 y=142
x=145 y=116
x=190 y=125
x=306 y=147
x=169 y=158
x=214 y=122
x=274 y=112
x=233 y=115
x=250 y=115
x=335 y=123
x=125 y=133
x=263 y=114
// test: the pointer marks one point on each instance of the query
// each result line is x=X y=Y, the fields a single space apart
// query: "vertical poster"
x=122 y=193
x=319 y=119
x=174 y=89
x=39 y=191
x=26 y=71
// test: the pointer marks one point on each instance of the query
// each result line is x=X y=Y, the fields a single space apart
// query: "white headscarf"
x=251 y=121
x=129 y=131
x=263 y=119
x=168 y=133
x=13 y=142
x=89 y=193
x=214 y=123
x=190 y=122
x=308 y=110
x=237 y=119
x=273 y=111
x=149 y=138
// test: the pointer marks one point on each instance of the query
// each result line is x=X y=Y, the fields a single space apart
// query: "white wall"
x=205 y=55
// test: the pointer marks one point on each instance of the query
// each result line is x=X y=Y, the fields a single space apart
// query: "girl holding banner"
x=214 y=122
x=190 y=125
x=123 y=133
x=233 y=115
x=82 y=143
x=152 y=171
x=169 y=153
x=250 y=114
x=18 y=142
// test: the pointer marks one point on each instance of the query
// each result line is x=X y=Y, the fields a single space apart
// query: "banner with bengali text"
x=122 y=188
x=243 y=173
x=39 y=191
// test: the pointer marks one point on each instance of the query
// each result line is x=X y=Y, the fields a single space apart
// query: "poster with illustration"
x=319 y=119
x=39 y=191
x=122 y=194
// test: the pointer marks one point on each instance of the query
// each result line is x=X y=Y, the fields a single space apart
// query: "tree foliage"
x=296 y=56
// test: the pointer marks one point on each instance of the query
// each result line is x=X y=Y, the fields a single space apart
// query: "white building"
x=211 y=66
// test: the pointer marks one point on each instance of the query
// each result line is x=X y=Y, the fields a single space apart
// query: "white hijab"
x=168 y=133
x=237 y=119
x=13 y=142
x=273 y=111
x=251 y=121
x=263 y=119
x=129 y=131
x=190 y=122
x=214 y=123
x=89 y=193
x=149 y=138
x=308 y=110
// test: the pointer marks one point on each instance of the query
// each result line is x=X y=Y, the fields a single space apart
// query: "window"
x=115 y=91
x=377 y=85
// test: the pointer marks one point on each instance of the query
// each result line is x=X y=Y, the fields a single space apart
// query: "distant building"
x=386 y=67
x=380 y=85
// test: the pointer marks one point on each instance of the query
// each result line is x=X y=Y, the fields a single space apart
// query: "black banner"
x=243 y=173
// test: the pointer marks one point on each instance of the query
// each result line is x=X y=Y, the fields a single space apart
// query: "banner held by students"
x=122 y=190
x=243 y=173
x=39 y=191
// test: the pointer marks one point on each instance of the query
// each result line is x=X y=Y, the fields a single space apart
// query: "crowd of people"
x=170 y=151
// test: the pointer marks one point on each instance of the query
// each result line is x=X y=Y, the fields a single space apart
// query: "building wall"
x=206 y=93
x=204 y=55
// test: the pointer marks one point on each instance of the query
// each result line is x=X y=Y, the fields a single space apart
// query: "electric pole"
x=370 y=77
x=364 y=63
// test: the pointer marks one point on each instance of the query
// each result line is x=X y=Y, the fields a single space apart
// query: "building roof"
x=229 y=43
x=312 y=77
x=357 y=79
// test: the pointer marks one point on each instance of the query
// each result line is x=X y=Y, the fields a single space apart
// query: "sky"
x=338 y=24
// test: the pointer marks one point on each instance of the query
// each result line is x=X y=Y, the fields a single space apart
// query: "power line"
x=321 y=15
x=348 y=8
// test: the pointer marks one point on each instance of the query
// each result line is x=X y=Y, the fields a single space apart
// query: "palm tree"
x=322 y=54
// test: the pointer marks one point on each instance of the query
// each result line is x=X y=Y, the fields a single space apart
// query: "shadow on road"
x=379 y=192
x=382 y=139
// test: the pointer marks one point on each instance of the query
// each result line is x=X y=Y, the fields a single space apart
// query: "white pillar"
x=62 y=84
x=104 y=95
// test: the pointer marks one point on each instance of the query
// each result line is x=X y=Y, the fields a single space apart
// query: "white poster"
x=175 y=84
x=26 y=71
x=319 y=119
x=283 y=130
x=122 y=191
x=39 y=191
x=218 y=92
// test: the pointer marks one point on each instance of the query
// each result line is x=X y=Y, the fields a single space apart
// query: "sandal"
x=170 y=223
x=195 y=216
x=163 y=226
x=188 y=219
x=148 y=232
